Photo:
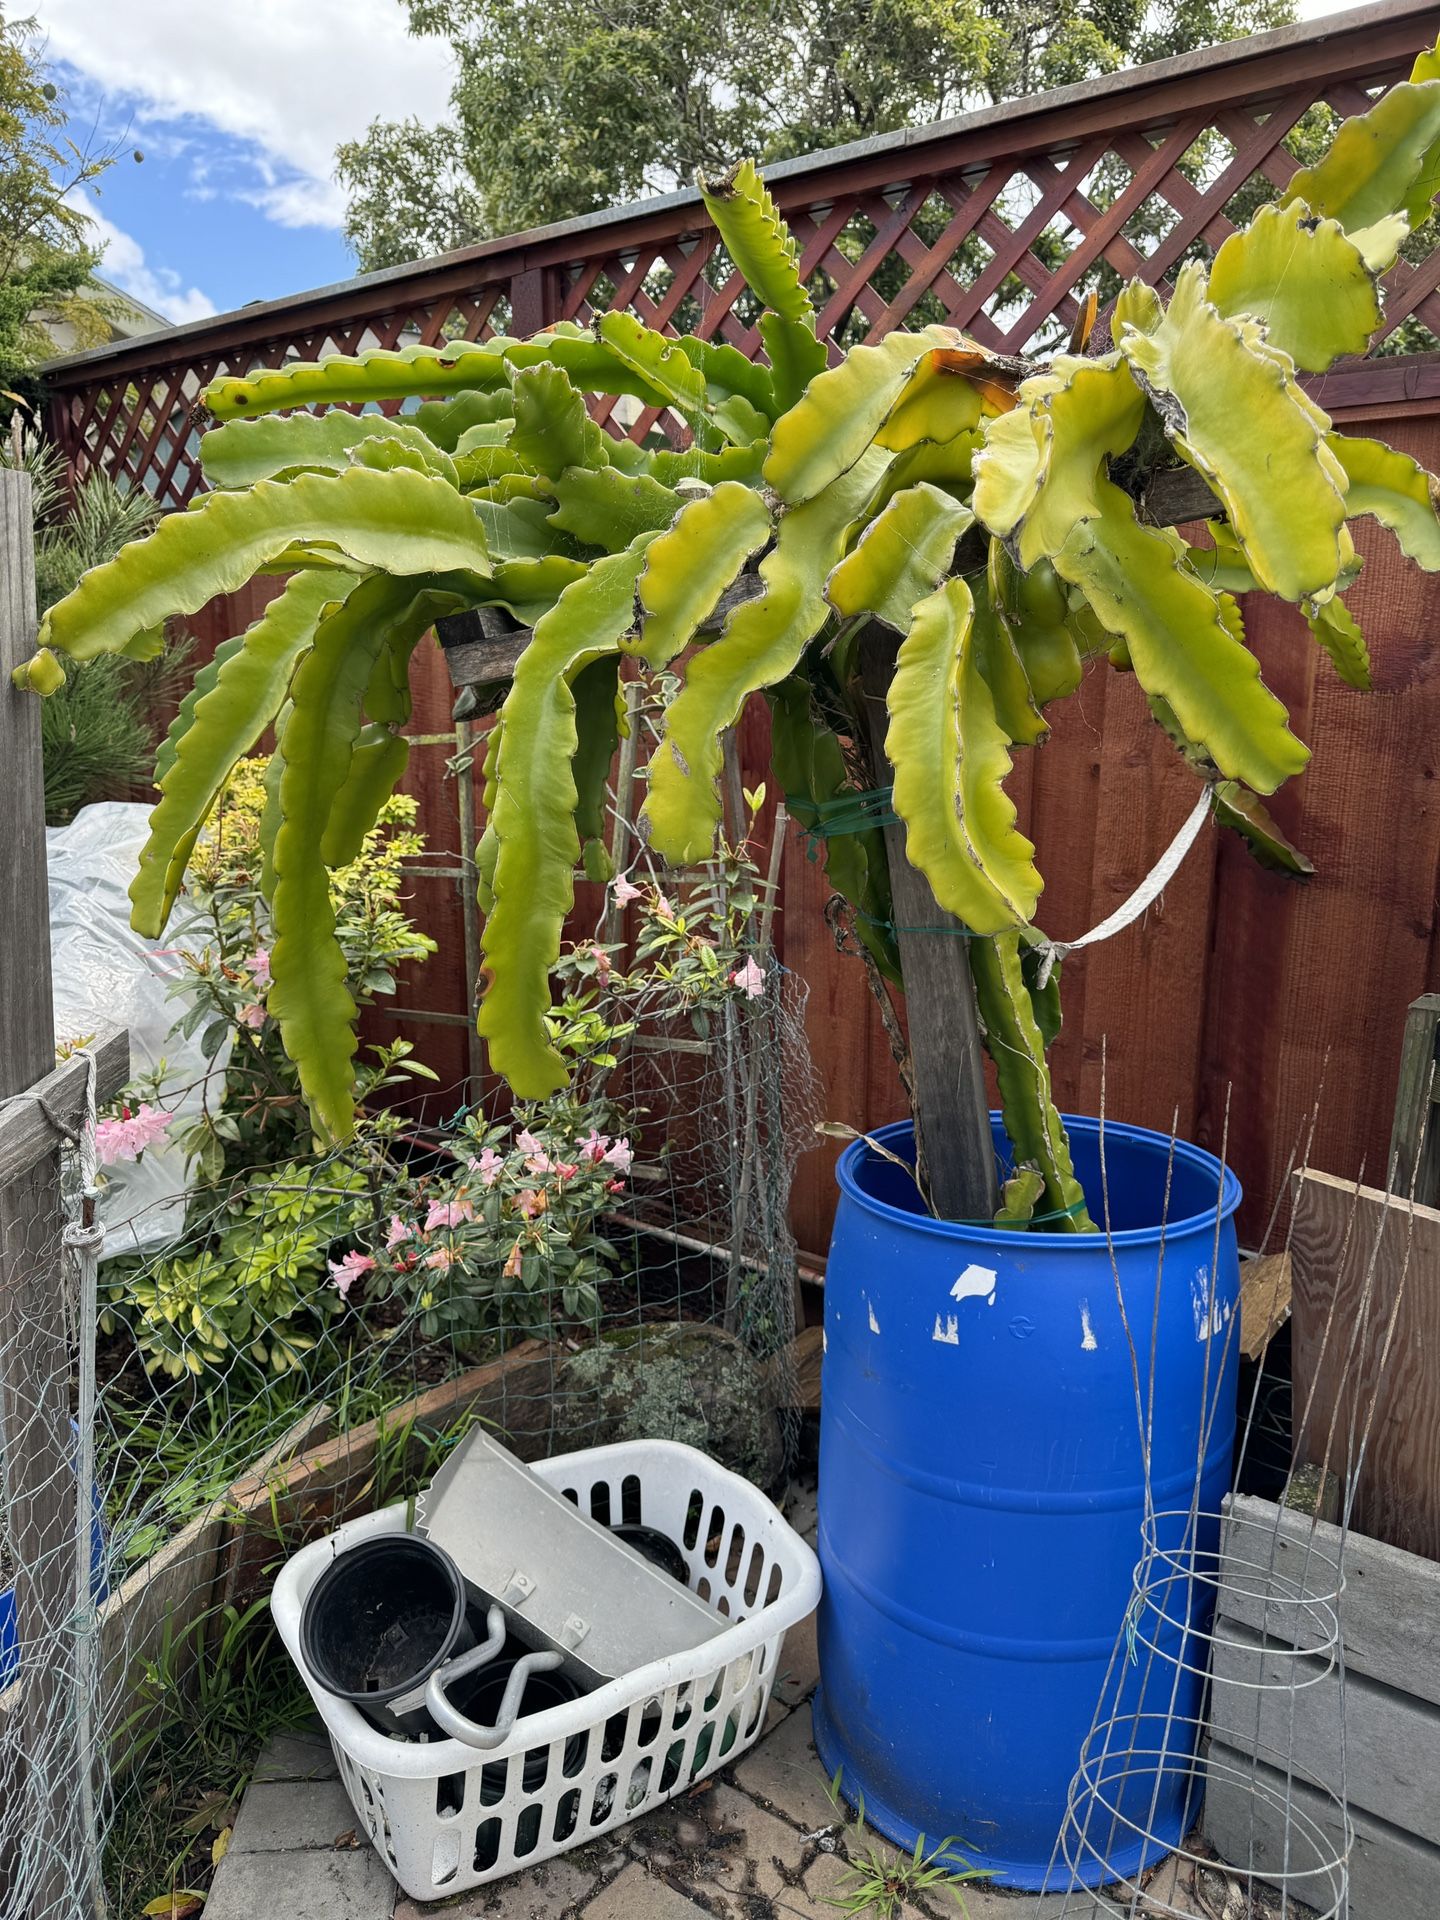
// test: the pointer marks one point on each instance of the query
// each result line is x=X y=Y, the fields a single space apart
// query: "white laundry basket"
x=444 y=1818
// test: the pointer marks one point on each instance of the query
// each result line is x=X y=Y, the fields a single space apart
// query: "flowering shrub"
x=259 y=1286
x=224 y=976
x=499 y=1229
x=692 y=954
x=126 y=1134
x=505 y=1236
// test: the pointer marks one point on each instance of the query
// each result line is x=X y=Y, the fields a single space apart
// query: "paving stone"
x=799 y=1664
x=307 y=1886
x=774 y=1863
x=295 y=1816
x=604 y=1857
x=540 y=1893
x=802 y=1512
x=734 y=1858
x=302 y=1755
x=638 y=1895
x=784 y=1771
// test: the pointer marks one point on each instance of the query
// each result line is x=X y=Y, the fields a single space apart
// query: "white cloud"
x=124 y=265
x=294 y=76
x=292 y=203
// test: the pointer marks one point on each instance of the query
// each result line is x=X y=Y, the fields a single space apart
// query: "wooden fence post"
x=34 y=1360
x=1414 y=1166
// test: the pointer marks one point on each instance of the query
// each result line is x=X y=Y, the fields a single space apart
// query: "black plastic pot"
x=379 y=1621
x=658 y=1548
x=478 y=1697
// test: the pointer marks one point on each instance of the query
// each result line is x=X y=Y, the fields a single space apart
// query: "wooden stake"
x=952 y=1116
x=34 y=1361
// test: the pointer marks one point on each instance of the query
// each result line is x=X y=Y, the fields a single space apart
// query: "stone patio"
x=761 y=1840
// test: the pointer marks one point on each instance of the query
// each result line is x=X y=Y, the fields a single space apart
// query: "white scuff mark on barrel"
x=976 y=1283
x=1088 y=1342
x=949 y=1334
x=1212 y=1315
x=824 y=1341
x=874 y=1323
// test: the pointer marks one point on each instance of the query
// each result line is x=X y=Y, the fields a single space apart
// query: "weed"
x=881 y=1882
x=205 y=1706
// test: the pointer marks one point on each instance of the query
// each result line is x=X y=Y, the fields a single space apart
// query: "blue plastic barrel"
x=982 y=1489
x=9 y=1627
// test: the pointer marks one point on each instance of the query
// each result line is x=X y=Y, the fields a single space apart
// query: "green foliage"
x=561 y=109
x=880 y=1881
x=507 y=1239
x=1014 y=1018
x=257 y=1289
x=97 y=730
x=538 y=840
x=987 y=513
x=47 y=260
x=225 y=949
x=199 y=1713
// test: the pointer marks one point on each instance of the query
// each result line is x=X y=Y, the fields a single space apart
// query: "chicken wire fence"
x=312 y=1344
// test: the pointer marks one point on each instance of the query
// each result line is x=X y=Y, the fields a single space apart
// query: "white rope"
x=1148 y=891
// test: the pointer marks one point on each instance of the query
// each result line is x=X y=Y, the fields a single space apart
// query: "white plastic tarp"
x=106 y=973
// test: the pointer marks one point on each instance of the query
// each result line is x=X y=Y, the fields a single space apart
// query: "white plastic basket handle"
x=458 y=1725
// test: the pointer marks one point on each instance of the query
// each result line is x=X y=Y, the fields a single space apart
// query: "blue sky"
x=238 y=106
x=237 y=109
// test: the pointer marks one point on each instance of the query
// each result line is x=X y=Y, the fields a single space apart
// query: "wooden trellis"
x=998 y=222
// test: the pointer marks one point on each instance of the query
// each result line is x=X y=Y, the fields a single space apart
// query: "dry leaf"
x=346 y=1841
x=182 y=1904
x=221 y=1846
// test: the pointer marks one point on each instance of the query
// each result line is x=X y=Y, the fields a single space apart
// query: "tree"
x=561 y=108
x=47 y=263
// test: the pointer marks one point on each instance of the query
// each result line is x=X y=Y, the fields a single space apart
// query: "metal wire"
x=1234 y=1619
x=178 y=1497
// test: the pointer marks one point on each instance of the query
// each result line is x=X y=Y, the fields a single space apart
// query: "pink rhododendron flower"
x=489 y=1166
x=448 y=1213
x=512 y=1264
x=619 y=1156
x=750 y=978
x=442 y=1259
x=623 y=891
x=564 y=1171
x=531 y=1203
x=527 y=1143
x=111 y=1142
x=614 y=1186
x=603 y=968
x=538 y=1162
x=663 y=907
x=258 y=966
x=252 y=1016
x=128 y=1137
x=346 y=1271
x=593 y=1146
x=398 y=1233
